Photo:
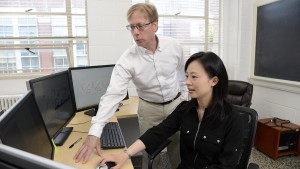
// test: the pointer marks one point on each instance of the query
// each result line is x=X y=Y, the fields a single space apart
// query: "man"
x=156 y=67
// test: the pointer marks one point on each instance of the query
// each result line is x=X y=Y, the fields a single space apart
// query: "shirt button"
x=188 y=132
x=204 y=137
x=218 y=141
x=235 y=149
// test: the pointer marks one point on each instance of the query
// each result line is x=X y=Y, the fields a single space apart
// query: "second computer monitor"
x=22 y=127
x=53 y=96
x=89 y=84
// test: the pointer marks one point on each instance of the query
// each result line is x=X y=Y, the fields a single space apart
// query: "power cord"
x=79 y=123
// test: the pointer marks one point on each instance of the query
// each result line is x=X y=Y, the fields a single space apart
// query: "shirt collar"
x=146 y=51
x=158 y=43
x=194 y=104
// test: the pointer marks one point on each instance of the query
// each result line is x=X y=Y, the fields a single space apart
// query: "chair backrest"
x=240 y=93
x=249 y=117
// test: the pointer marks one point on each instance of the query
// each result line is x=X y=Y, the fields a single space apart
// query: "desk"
x=129 y=108
x=65 y=155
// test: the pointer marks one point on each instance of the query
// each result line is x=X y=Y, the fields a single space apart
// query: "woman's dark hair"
x=214 y=66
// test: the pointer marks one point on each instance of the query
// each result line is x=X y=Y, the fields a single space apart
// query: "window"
x=7 y=65
x=30 y=64
x=27 y=27
x=60 y=59
x=42 y=37
x=195 y=23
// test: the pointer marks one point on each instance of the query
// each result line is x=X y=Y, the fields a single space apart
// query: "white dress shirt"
x=158 y=77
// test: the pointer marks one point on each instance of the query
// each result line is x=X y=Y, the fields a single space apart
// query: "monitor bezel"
x=31 y=81
x=15 y=158
x=12 y=111
x=72 y=86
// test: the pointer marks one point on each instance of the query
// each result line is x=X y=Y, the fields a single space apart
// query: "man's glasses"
x=140 y=27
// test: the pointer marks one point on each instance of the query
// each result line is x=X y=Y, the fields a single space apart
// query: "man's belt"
x=164 y=103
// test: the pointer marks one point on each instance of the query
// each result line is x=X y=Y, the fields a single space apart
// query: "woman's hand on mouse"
x=119 y=159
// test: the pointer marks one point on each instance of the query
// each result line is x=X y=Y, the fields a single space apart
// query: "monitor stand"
x=62 y=136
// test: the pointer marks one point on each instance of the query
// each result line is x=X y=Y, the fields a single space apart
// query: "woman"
x=211 y=132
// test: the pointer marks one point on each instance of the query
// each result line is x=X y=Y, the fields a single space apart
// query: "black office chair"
x=249 y=117
x=240 y=93
x=152 y=156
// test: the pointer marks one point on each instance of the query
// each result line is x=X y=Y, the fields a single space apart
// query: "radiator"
x=7 y=101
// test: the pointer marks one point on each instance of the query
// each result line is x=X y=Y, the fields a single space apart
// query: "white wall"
x=231 y=36
x=108 y=37
x=266 y=101
x=13 y=86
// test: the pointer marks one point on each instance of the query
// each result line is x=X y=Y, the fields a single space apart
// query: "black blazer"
x=201 y=146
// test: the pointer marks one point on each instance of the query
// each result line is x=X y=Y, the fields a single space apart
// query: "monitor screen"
x=89 y=84
x=53 y=97
x=22 y=127
x=11 y=158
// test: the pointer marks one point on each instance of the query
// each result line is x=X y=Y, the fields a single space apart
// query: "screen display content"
x=90 y=84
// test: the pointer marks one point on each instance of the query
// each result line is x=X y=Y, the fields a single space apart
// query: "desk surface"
x=279 y=124
x=129 y=108
x=81 y=124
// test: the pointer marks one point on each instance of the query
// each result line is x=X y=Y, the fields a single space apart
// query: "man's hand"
x=87 y=148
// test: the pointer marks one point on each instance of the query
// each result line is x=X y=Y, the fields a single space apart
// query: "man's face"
x=144 y=37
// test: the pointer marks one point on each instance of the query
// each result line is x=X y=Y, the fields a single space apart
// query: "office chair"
x=240 y=93
x=152 y=156
x=249 y=117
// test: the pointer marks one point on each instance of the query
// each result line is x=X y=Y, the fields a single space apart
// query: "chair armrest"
x=253 y=166
x=157 y=151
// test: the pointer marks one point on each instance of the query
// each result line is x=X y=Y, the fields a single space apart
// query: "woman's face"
x=199 y=84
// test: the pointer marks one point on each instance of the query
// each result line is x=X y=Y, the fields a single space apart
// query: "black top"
x=200 y=147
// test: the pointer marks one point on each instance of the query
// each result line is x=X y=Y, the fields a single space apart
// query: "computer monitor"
x=22 y=127
x=89 y=85
x=12 y=158
x=53 y=96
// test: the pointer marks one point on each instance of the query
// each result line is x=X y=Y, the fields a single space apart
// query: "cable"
x=80 y=123
x=79 y=131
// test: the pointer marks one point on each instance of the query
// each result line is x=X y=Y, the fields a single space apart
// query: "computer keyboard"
x=112 y=136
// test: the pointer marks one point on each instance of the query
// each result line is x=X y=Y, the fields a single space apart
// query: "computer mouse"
x=107 y=165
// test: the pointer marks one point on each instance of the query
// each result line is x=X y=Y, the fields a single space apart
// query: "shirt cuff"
x=96 y=130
